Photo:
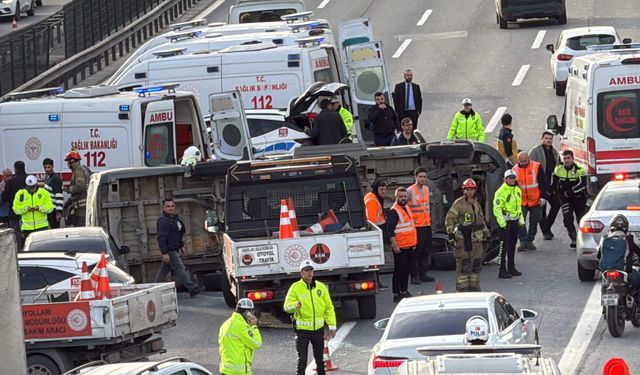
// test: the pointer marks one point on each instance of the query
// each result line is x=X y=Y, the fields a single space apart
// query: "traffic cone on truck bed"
x=103 y=290
x=321 y=226
x=292 y=218
x=86 y=287
x=285 y=222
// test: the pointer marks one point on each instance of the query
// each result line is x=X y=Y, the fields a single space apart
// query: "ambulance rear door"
x=159 y=133
x=352 y=32
x=229 y=129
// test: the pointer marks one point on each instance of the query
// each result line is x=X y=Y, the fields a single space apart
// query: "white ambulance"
x=251 y=11
x=601 y=120
x=110 y=129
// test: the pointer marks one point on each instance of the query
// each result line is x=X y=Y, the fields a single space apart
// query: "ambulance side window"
x=159 y=144
x=618 y=114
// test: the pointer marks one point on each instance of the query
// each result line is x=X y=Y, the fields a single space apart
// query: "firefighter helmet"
x=72 y=155
x=469 y=183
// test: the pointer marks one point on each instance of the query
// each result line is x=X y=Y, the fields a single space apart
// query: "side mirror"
x=553 y=126
x=212 y=223
x=550 y=48
x=527 y=314
x=124 y=249
x=381 y=324
x=626 y=40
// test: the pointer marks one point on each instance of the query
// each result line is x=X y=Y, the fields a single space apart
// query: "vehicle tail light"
x=361 y=286
x=387 y=362
x=619 y=177
x=564 y=57
x=260 y=295
x=591 y=226
x=633 y=208
x=612 y=275
x=591 y=155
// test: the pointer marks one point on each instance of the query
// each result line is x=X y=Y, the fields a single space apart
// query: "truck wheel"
x=367 y=307
x=212 y=281
x=229 y=298
x=38 y=364
x=562 y=19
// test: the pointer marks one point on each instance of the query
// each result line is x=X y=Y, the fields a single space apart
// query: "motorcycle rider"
x=619 y=246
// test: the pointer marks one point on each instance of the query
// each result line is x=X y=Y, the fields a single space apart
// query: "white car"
x=169 y=366
x=59 y=271
x=13 y=8
x=616 y=197
x=573 y=43
x=440 y=320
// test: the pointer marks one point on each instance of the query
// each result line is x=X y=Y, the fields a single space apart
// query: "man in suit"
x=408 y=99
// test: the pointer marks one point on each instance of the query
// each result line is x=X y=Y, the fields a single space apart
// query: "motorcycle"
x=618 y=301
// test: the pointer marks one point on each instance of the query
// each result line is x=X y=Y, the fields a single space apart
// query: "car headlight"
x=7 y=1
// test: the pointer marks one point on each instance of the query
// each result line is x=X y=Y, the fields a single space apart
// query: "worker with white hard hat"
x=32 y=204
x=507 y=209
x=467 y=124
x=238 y=338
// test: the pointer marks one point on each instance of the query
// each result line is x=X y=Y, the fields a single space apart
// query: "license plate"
x=609 y=300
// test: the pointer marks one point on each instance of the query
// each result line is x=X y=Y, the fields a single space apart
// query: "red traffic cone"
x=292 y=218
x=86 y=288
x=285 y=221
x=439 y=289
x=103 y=290
x=321 y=226
x=14 y=24
x=328 y=366
x=616 y=366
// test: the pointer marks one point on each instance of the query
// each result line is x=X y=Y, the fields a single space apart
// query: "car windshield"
x=618 y=199
x=432 y=323
x=580 y=43
x=93 y=245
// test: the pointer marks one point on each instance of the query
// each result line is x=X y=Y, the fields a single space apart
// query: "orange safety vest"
x=419 y=205
x=405 y=232
x=374 y=209
x=528 y=183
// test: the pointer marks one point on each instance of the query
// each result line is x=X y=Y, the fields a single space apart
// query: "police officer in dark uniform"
x=569 y=180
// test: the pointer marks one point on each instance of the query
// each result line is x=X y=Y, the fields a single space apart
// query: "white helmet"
x=466 y=101
x=245 y=303
x=31 y=180
x=191 y=156
x=477 y=330
x=510 y=173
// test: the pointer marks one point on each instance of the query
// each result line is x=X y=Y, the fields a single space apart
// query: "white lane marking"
x=323 y=4
x=401 y=49
x=334 y=344
x=495 y=119
x=520 y=76
x=435 y=36
x=424 y=17
x=209 y=10
x=538 y=40
x=583 y=333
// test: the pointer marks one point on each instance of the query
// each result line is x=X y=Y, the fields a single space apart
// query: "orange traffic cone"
x=14 y=24
x=103 y=290
x=439 y=289
x=285 y=221
x=321 y=226
x=328 y=366
x=293 y=218
x=616 y=366
x=86 y=288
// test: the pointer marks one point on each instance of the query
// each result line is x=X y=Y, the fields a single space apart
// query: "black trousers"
x=508 y=239
x=571 y=207
x=53 y=223
x=316 y=338
x=401 y=270
x=548 y=218
x=413 y=115
x=383 y=140
x=420 y=256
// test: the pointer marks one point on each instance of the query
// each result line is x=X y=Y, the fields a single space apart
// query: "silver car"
x=616 y=197
x=440 y=320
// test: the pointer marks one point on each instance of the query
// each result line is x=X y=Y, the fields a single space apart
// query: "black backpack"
x=613 y=252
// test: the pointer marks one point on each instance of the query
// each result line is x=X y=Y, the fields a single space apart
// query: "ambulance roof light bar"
x=188 y=24
x=612 y=47
x=186 y=35
x=49 y=91
x=289 y=18
x=310 y=41
x=170 y=52
x=170 y=87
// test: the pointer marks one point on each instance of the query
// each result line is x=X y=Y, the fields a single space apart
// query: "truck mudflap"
x=448 y=163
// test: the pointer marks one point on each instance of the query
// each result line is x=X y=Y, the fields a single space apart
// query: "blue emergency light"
x=125 y=107
x=147 y=155
x=54 y=118
x=149 y=89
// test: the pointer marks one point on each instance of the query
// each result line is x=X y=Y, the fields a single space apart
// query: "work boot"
x=523 y=246
x=503 y=274
x=397 y=298
x=515 y=272
x=405 y=294
x=415 y=280
x=573 y=244
x=531 y=246
x=427 y=279
x=194 y=292
x=548 y=236
x=474 y=289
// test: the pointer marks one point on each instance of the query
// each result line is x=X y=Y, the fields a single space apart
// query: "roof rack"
x=186 y=35
x=76 y=370
x=310 y=41
x=154 y=366
x=170 y=52
x=91 y=91
x=188 y=24
x=297 y=16
x=252 y=45
x=49 y=91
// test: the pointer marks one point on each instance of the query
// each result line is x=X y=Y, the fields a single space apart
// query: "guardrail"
x=94 y=58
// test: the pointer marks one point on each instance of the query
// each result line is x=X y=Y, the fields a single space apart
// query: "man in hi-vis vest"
x=404 y=238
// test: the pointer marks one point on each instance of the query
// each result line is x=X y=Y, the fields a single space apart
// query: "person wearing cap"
x=467 y=124
x=312 y=309
x=238 y=338
x=77 y=189
x=53 y=184
x=347 y=117
x=32 y=204
x=328 y=127
x=465 y=224
x=507 y=209
x=406 y=137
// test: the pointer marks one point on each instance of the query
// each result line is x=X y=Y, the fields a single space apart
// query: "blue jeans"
x=535 y=213
x=175 y=265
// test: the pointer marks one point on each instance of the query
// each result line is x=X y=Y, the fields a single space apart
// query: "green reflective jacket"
x=317 y=307
x=507 y=205
x=470 y=128
x=237 y=340
x=32 y=220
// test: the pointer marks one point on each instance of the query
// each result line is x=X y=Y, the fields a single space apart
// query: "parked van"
x=601 y=120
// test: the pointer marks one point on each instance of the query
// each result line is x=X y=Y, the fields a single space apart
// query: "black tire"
x=444 y=260
x=635 y=319
x=615 y=321
x=562 y=19
x=503 y=23
x=367 y=307
x=497 y=19
x=39 y=3
x=31 y=12
x=585 y=274
x=229 y=298
x=38 y=364
x=560 y=88
x=212 y=281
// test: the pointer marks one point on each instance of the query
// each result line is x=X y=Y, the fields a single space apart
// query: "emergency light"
x=149 y=89
x=54 y=118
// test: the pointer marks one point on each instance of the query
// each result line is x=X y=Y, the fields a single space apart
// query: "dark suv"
x=513 y=10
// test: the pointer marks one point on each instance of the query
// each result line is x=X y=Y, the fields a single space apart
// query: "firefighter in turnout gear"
x=466 y=226
x=77 y=188
x=569 y=180
x=238 y=338
x=507 y=209
x=33 y=205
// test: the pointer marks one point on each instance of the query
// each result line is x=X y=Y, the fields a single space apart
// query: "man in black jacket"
x=383 y=121
x=407 y=99
x=11 y=188
x=170 y=232
x=328 y=127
